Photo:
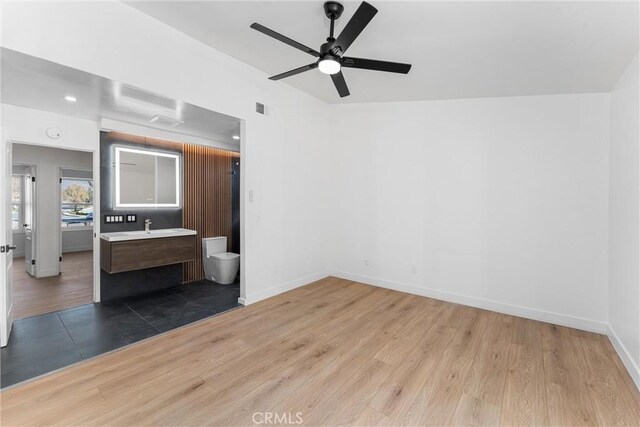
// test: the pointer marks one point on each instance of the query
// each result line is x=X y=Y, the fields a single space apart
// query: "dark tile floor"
x=42 y=344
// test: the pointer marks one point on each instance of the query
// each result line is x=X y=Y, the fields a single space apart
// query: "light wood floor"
x=73 y=287
x=343 y=353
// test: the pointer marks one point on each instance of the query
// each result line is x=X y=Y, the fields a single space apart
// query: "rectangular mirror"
x=146 y=178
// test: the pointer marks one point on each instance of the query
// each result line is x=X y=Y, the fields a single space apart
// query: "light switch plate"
x=114 y=219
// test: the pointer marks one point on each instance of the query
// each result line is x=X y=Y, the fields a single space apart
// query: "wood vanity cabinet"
x=129 y=255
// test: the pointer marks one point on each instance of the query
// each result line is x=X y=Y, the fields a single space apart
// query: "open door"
x=29 y=221
x=6 y=243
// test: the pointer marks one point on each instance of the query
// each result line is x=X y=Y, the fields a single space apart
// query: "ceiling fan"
x=330 y=55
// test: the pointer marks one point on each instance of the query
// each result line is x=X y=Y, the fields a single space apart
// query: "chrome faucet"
x=147 y=223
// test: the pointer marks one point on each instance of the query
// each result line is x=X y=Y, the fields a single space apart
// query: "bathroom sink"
x=151 y=234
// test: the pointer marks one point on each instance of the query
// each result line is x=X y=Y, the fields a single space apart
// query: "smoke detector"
x=165 y=121
x=54 y=133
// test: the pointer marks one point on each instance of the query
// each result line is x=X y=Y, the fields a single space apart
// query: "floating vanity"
x=136 y=250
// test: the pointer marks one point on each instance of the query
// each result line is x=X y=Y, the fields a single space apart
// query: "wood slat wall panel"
x=207 y=199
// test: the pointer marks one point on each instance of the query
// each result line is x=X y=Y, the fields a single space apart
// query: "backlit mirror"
x=146 y=178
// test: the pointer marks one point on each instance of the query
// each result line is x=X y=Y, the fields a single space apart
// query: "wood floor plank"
x=472 y=411
x=342 y=353
x=352 y=396
x=486 y=378
x=398 y=394
x=481 y=401
x=604 y=384
x=525 y=402
x=568 y=400
x=437 y=401
x=74 y=286
x=369 y=417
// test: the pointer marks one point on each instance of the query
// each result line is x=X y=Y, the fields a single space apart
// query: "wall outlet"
x=413 y=268
x=366 y=261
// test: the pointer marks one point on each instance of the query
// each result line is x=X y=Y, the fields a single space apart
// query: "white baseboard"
x=267 y=293
x=624 y=355
x=46 y=273
x=514 y=310
x=77 y=249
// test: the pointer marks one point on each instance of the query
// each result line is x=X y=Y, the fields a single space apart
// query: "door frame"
x=95 y=152
x=6 y=292
x=96 y=211
x=34 y=213
x=59 y=226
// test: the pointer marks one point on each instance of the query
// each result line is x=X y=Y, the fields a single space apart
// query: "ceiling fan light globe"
x=329 y=65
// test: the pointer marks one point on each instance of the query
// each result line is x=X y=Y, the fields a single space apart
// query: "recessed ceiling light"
x=236 y=137
x=70 y=98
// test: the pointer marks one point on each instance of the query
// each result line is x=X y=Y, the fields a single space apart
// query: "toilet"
x=219 y=265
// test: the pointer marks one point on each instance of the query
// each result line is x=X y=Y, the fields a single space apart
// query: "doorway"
x=52 y=225
x=50 y=341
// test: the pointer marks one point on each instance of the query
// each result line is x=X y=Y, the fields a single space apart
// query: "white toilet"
x=219 y=265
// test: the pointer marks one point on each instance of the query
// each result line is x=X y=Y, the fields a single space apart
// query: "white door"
x=6 y=242
x=29 y=221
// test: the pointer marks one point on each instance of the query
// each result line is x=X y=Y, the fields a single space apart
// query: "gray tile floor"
x=42 y=344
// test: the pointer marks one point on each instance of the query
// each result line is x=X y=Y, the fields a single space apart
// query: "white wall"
x=48 y=161
x=284 y=156
x=624 y=216
x=77 y=239
x=499 y=203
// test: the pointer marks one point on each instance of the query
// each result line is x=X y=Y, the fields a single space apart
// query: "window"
x=16 y=201
x=77 y=202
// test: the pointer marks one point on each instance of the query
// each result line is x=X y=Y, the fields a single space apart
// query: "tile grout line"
x=145 y=320
x=68 y=333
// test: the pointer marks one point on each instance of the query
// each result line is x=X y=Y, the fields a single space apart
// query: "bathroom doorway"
x=128 y=306
x=52 y=223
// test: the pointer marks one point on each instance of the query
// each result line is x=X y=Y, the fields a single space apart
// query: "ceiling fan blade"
x=354 y=27
x=284 y=39
x=340 y=83
x=295 y=71
x=373 y=64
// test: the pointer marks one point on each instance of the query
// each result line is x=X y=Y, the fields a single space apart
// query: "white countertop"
x=120 y=236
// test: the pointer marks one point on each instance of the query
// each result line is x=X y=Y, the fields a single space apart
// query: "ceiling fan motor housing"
x=333 y=9
x=329 y=49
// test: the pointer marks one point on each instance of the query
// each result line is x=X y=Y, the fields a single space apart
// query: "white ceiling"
x=458 y=49
x=35 y=83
